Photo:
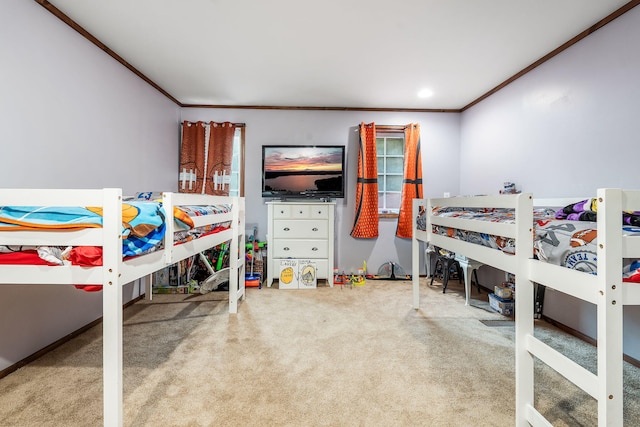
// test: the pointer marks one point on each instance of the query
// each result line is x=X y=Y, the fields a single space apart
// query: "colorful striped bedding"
x=143 y=230
x=566 y=237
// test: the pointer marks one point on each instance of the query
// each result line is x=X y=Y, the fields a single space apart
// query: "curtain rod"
x=240 y=125
x=386 y=127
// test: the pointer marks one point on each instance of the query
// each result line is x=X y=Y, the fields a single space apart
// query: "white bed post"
x=415 y=255
x=112 y=307
x=236 y=257
x=609 y=308
x=233 y=259
x=524 y=309
x=242 y=256
x=168 y=203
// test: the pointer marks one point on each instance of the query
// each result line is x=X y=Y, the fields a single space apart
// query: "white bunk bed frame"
x=606 y=290
x=116 y=272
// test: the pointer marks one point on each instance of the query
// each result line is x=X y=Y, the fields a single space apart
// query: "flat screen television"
x=303 y=171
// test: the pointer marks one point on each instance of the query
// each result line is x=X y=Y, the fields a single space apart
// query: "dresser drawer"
x=319 y=211
x=300 y=229
x=287 y=248
x=281 y=211
x=294 y=211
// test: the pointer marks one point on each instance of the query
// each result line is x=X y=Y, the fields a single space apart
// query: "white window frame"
x=392 y=211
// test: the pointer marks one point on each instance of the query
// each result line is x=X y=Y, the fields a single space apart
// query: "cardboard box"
x=161 y=277
x=288 y=274
x=502 y=305
x=307 y=274
x=503 y=291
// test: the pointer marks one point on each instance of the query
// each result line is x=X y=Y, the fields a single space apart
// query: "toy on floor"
x=390 y=271
x=215 y=281
x=340 y=278
x=359 y=279
x=251 y=279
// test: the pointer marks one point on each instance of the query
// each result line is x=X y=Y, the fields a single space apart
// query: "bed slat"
x=502 y=201
x=631 y=200
x=87 y=237
x=495 y=228
x=44 y=275
x=478 y=253
x=200 y=221
x=631 y=247
x=52 y=197
x=566 y=367
x=572 y=282
x=535 y=418
x=631 y=293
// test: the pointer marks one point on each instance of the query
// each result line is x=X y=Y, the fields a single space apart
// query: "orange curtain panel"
x=206 y=153
x=412 y=182
x=365 y=224
x=219 y=158
x=191 y=173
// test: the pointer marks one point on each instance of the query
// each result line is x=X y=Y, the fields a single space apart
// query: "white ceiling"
x=333 y=53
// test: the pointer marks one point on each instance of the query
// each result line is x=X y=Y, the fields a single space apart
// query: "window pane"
x=394 y=183
x=393 y=200
x=395 y=165
x=395 y=146
x=390 y=167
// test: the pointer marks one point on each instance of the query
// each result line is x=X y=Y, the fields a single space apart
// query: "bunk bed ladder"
x=606 y=292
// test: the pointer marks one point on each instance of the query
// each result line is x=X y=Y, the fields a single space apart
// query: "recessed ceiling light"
x=425 y=93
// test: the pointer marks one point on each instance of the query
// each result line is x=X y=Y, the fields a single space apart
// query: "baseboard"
x=586 y=338
x=6 y=371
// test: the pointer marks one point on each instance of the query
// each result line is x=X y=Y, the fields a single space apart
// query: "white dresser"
x=301 y=230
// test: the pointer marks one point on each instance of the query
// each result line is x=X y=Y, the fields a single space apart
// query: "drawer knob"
x=287 y=229
x=286 y=248
x=314 y=249
x=314 y=229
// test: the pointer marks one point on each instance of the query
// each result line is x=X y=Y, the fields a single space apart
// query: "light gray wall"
x=71 y=117
x=567 y=128
x=439 y=142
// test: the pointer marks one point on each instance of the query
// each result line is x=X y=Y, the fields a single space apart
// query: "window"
x=228 y=178
x=390 y=154
x=236 y=184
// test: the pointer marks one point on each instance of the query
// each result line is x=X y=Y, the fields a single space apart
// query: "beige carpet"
x=327 y=357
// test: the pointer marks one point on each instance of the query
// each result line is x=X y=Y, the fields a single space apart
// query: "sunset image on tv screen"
x=300 y=169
